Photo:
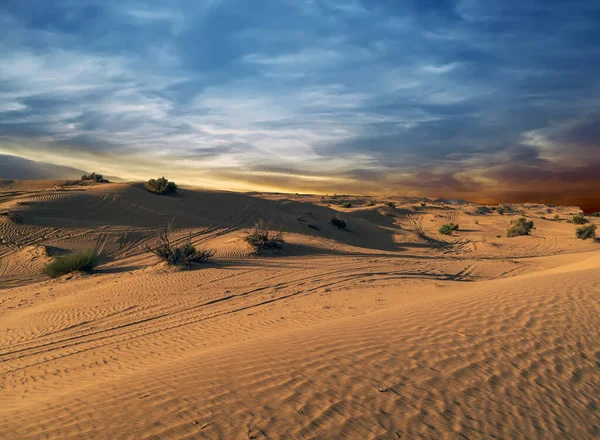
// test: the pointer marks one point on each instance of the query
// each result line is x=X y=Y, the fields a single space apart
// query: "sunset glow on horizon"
x=485 y=101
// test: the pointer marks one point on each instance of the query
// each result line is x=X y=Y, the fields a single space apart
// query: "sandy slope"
x=370 y=333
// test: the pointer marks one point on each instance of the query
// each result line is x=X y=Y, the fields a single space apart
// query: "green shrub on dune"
x=82 y=261
x=448 y=228
x=586 y=232
x=579 y=219
x=519 y=227
x=161 y=186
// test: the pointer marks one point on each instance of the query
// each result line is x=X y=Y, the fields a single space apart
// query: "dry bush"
x=580 y=219
x=338 y=222
x=519 y=227
x=189 y=254
x=388 y=211
x=161 y=186
x=93 y=178
x=586 y=232
x=415 y=224
x=13 y=216
x=261 y=237
x=182 y=255
x=482 y=210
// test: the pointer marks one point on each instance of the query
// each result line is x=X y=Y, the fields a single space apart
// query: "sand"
x=369 y=333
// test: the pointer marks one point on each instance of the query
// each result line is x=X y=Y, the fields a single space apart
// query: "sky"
x=483 y=100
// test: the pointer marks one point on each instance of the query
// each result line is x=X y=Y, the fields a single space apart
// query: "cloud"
x=449 y=96
x=444 y=68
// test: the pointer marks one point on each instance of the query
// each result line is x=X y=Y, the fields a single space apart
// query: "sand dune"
x=365 y=333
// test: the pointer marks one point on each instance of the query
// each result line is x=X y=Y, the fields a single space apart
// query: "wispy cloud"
x=368 y=94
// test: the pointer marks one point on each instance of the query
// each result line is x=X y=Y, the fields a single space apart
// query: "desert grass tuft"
x=82 y=261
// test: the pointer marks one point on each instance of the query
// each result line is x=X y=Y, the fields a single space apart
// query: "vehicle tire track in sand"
x=495 y=362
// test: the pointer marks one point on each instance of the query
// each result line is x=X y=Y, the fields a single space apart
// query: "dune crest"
x=369 y=331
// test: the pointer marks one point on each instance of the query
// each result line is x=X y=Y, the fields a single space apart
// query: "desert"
x=371 y=330
x=299 y=220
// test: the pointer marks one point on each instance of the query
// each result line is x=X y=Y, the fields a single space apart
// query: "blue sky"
x=468 y=98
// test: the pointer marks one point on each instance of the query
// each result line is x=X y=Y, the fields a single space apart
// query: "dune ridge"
x=367 y=333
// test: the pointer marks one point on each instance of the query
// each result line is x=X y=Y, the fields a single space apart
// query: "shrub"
x=391 y=204
x=416 y=226
x=347 y=205
x=371 y=203
x=338 y=222
x=519 y=227
x=448 y=228
x=579 y=219
x=595 y=214
x=183 y=255
x=188 y=254
x=501 y=210
x=482 y=210
x=93 y=178
x=423 y=204
x=261 y=237
x=557 y=217
x=161 y=186
x=586 y=232
x=82 y=261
